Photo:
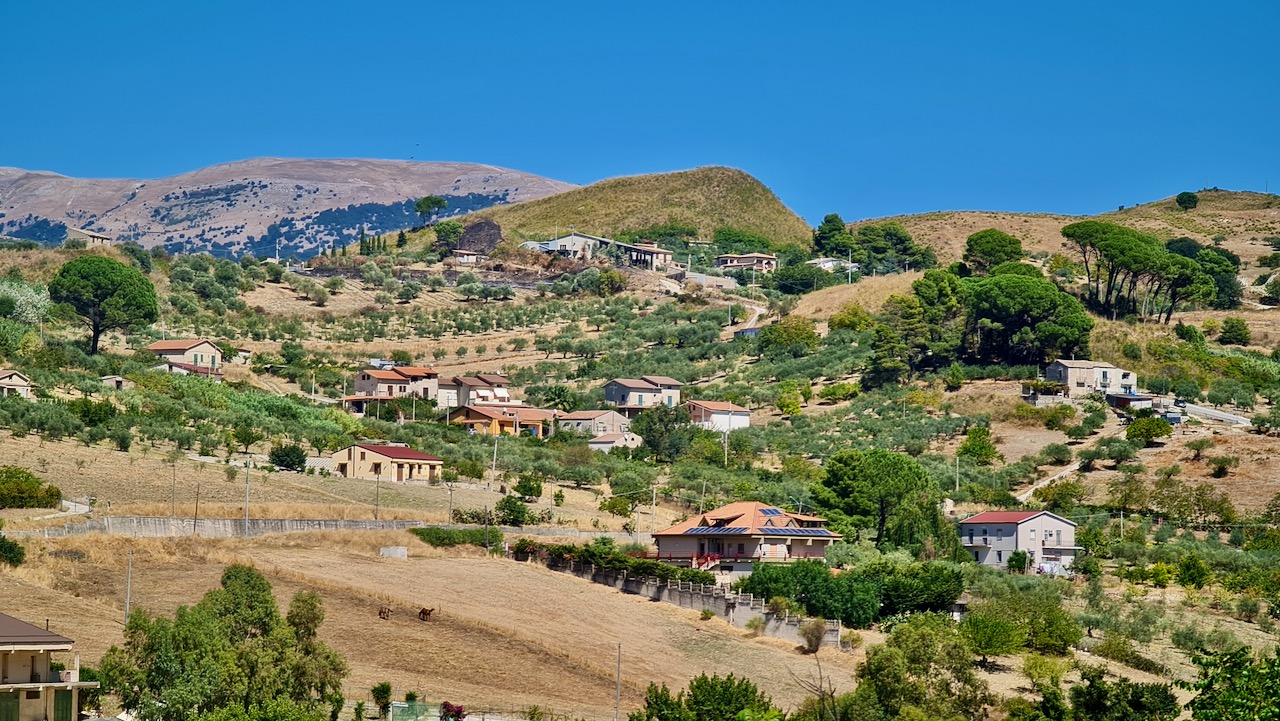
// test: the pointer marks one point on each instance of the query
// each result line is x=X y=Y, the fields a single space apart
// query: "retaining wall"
x=736 y=608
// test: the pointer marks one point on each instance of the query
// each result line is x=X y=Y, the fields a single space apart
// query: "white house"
x=759 y=262
x=1046 y=538
x=30 y=690
x=91 y=239
x=594 y=422
x=734 y=537
x=720 y=416
x=1081 y=377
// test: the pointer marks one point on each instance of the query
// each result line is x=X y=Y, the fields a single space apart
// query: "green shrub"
x=756 y=626
x=20 y=488
x=12 y=552
x=291 y=457
x=707 y=614
x=445 y=537
x=812 y=632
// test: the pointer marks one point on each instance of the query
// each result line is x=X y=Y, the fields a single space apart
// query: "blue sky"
x=866 y=109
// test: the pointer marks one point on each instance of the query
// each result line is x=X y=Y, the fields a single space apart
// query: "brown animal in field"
x=424 y=614
x=384 y=613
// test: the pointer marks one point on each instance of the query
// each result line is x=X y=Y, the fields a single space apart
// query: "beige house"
x=196 y=353
x=117 y=383
x=1079 y=378
x=13 y=383
x=491 y=420
x=594 y=422
x=91 y=239
x=30 y=690
x=633 y=395
x=606 y=442
x=733 y=537
x=759 y=262
x=1047 y=539
x=393 y=463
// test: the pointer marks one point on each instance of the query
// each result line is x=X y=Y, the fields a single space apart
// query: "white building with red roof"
x=197 y=353
x=733 y=537
x=387 y=462
x=718 y=416
x=1046 y=538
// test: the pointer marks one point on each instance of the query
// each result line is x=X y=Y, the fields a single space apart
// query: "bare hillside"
x=250 y=204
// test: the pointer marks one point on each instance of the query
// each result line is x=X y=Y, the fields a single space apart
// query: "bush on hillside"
x=20 y=488
x=446 y=537
x=291 y=457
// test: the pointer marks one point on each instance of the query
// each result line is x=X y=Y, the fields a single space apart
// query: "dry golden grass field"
x=870 y=293
x=505 y=636
x=143 y=483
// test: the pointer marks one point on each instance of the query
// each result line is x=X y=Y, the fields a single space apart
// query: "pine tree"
x=402 y=240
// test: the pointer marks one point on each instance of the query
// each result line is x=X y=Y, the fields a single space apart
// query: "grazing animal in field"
x=424 y=614
x=384 y=613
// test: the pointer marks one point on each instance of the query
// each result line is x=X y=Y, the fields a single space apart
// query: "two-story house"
x=1079 y=378
x=398 y=382
x=493 y=420
x=733 y=537
x=759 y=262
x=30 y=688
x=482 y=389
x=635 y=395
x=1045 y=537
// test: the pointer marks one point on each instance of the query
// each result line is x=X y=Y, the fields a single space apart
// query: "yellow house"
x=499 y=420
x=394 y=463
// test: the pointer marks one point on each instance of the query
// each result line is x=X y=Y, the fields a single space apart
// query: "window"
x=999 y=556
x=362 y=455
x=1033 y=534
x=999 y=533
x=742 y=548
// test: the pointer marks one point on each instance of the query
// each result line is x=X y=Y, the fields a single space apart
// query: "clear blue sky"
x=862 y=108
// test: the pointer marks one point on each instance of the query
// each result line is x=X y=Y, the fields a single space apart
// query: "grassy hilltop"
x=706 y=198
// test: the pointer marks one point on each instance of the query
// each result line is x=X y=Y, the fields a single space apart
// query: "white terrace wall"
x=736 y=608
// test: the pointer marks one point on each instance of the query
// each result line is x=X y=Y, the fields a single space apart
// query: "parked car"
x=1180 y=403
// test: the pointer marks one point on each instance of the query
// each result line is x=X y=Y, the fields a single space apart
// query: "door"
x=62 y=705
x=9 y=706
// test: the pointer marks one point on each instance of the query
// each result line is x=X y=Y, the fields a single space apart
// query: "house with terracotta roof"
x=593 y=422
x=733 y=537
x=1045 y=537
x=719 y=416
x=390 y=462
x=13 y=383
x=491 y=420
x=189 y=353
x=635 y=395
x=398 y=382
x=187 y=369
x=30 y=689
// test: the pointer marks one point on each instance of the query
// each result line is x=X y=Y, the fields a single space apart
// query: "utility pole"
x=849 y=266
x=957 y=472
x=493 y=468
x=377 y=497
x=246 y=495
x=653 y=507
x=195 y=521
x=617 y=688
x=450 y=518
x=173 y=500
x=128 y=587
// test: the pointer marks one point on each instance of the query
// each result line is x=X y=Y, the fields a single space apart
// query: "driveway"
x=1215 y=414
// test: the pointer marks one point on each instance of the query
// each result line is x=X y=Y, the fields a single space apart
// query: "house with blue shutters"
x=732 y=538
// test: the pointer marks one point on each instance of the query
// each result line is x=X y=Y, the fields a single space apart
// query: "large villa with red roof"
x=733 y=537
x=1045 y=537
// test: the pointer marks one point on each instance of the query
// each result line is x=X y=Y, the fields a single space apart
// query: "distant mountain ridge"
x=304 y=206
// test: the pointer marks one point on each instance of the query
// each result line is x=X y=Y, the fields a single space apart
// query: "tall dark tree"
x=427 y=207
x=988 y=248
x=1187 y=200
x=870 y=488
x=106 y=294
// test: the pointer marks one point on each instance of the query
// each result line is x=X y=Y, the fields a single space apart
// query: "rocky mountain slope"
x=250 y=205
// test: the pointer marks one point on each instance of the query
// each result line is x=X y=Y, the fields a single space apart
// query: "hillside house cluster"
x=390 y=382
x=30 y=688
x=733 y=537
x=581 y=246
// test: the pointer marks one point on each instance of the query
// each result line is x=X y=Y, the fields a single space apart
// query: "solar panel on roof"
x=799 y=532
x=716 y=529
x=770 y=512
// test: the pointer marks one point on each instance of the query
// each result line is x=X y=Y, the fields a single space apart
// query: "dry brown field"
x=505 y=635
